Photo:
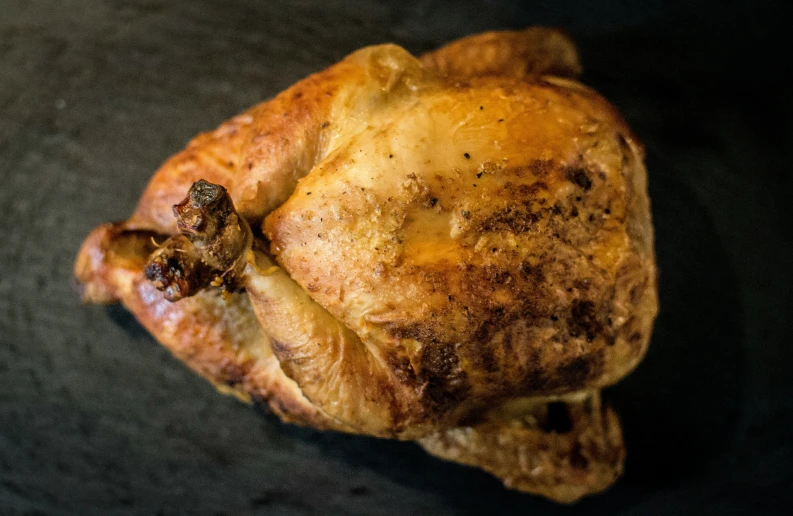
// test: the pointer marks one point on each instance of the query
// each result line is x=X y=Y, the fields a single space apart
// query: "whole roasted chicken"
x=454 y=249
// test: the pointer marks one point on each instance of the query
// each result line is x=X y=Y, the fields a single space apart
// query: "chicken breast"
x=455 y=249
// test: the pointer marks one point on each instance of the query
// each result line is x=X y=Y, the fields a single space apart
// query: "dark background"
x=97 y=418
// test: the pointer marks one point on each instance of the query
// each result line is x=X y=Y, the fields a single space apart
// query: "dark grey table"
x=96 y=418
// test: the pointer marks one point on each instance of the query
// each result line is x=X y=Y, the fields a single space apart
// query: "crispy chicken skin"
x=455 y=249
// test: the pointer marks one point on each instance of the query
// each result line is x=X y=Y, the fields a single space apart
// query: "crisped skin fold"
x=455 y=249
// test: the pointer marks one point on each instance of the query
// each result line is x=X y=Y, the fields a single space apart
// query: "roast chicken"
x=454 y=249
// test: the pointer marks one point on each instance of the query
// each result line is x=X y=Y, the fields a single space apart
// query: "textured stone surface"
x=96 y=418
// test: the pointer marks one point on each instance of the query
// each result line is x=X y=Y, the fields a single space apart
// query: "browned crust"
x=562 y=450
x=516 y=54
x=547 y=288
x=258 y=155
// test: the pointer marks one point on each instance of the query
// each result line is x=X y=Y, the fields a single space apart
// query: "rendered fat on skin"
x=455 y=249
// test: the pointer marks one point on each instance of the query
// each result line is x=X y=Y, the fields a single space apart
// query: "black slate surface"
x=96 y=418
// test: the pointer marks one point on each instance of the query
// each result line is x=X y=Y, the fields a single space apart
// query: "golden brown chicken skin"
x=455 y=249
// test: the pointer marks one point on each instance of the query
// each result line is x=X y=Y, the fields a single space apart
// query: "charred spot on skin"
x=511 y=219
x=526 y=270
x=446 y=384
x=576 y=372
x=402 y=368
x=534 y=380
x=485 y=359
x=579 y=177
x=582 y=284
x=497 y=318
x=583 y=320
x=541 y=167
x=528 y=192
